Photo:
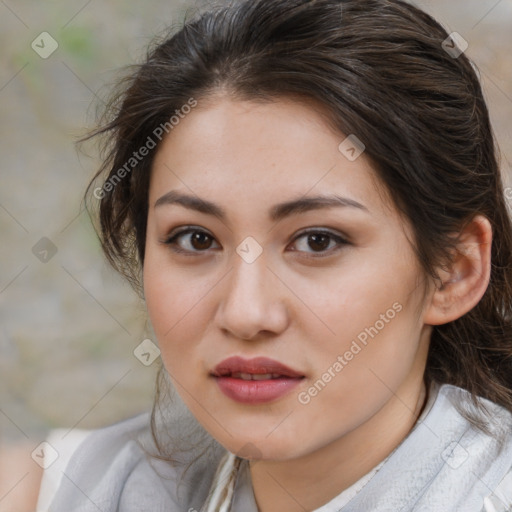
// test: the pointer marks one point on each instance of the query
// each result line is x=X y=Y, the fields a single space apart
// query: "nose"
x=251 y=303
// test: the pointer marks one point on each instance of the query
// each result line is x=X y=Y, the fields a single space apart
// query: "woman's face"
x=328 y=288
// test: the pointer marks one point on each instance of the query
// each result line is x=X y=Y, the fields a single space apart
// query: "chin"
x=256 y=449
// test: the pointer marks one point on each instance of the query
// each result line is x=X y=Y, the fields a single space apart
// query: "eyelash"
x=172 y=239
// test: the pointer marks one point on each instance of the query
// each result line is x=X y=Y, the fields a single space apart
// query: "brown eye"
x=200 y=241
x=190 y=240
x=321 y=242
x=318 y=242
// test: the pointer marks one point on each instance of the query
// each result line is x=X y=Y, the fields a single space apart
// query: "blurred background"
x=68 y=325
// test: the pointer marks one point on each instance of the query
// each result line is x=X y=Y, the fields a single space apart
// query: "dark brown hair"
x=380 y=69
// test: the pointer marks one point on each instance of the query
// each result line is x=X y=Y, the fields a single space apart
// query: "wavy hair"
x=382 y=70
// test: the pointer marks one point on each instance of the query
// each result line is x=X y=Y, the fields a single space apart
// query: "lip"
x=255 y=391
x=256 y=366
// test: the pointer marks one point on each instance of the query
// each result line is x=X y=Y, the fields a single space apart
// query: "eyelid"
x=185 y=230
x=341 y=241
x=326 y=231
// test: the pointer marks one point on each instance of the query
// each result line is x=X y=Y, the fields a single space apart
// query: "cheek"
x=169 y=292
x=358 y=304
x=376 y=332
x=178 y=308
x=364 y=367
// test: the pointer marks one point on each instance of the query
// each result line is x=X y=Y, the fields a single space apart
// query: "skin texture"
x=20 y=478
x=290 y=305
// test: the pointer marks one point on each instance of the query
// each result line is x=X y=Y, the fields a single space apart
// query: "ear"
x=464 y=282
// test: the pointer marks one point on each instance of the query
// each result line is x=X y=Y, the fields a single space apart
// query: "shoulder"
x=115 y=468
x=84 y=457
x=488 y=436
x=489 y=418
x=500 y=500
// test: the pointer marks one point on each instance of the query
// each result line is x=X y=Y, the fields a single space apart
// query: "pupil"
x=198 y=239
x=314 y=239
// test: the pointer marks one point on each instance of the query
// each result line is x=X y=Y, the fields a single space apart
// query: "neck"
x=306 y=483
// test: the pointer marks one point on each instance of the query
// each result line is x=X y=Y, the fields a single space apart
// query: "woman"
x=307 y=195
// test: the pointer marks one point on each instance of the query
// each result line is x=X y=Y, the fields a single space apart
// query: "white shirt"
x=443 y=465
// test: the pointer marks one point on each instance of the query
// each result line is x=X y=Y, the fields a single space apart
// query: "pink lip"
x=255 y=391
x=257 y=365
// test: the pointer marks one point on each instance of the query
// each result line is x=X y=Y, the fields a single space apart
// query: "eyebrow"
x=277 y=212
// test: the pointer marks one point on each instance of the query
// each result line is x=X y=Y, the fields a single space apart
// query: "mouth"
x=254 y=376
x=254 y=381
x=258 y=368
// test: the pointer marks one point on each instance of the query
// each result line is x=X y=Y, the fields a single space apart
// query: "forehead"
x=268 y=151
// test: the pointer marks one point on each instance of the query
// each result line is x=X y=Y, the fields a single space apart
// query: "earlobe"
x=464 y=283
